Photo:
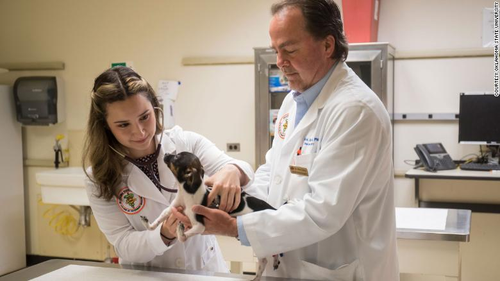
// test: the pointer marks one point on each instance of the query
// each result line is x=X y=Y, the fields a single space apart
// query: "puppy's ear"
x=189 y=175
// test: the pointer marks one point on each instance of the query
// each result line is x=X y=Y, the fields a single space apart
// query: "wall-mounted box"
x=39 y=100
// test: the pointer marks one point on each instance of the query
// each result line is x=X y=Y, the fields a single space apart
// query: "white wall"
x=12 y=229
x=432 y=25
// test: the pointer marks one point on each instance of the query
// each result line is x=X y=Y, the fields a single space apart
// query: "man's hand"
x=217 y=222
x=226 y=184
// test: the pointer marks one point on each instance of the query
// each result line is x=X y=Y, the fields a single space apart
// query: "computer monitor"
x=479 y=119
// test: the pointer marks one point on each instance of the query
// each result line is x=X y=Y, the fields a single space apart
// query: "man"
x=329 y=171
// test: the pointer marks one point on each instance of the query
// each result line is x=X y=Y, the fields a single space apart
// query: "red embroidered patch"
x=129 y=202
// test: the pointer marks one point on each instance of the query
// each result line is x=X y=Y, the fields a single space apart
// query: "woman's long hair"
x=114 y=84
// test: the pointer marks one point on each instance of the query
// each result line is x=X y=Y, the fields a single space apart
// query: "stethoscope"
x=149 y=164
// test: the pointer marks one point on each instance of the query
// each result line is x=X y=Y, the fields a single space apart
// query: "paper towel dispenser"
x=39 y=100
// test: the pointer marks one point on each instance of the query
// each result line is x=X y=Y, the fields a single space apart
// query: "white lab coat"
x=122 y=224
x=339 y=222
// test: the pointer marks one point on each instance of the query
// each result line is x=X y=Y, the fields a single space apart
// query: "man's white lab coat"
x=338 y=221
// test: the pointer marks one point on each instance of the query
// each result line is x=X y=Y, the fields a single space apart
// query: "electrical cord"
x=470 y=159
x=413 y=163
x=410 y=162
x=62 y=221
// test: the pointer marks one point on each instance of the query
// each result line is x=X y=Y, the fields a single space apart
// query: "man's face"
x=303 y=59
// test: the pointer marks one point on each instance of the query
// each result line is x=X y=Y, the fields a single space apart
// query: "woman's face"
x=133 y=124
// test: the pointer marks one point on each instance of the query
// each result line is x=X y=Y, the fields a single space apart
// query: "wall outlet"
x=233 y=147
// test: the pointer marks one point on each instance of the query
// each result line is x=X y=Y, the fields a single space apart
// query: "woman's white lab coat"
x=338 y=222
x=119 y=219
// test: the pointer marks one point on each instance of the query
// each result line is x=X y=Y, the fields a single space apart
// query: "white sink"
x=63 y=186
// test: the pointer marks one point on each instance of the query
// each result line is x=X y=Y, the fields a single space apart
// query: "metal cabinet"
x=373 y=62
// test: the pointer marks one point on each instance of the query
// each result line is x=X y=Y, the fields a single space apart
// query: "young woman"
x=127 y=178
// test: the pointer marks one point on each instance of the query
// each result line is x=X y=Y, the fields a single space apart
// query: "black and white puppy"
x=189 y=173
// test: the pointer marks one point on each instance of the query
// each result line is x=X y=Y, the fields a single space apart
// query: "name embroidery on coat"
x=283 y=125
x=129 y=202
x=310 y=141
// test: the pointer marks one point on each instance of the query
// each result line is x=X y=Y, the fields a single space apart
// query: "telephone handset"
x=434 y=157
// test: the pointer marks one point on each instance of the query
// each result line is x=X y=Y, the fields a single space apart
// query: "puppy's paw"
x=276 y=262
x=180 y=229
x=182 y=238
x=180 y=232
x=276 y=265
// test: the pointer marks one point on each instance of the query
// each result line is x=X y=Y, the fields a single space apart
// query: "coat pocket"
x=304 y=161
x=347 y=272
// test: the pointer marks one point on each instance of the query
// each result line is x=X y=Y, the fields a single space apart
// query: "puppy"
x=189 y=173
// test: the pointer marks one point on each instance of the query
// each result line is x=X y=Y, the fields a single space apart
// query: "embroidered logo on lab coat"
x=129 y=202
x=283 y=125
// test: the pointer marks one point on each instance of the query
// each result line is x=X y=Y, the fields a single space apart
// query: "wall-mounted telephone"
x=434 y=157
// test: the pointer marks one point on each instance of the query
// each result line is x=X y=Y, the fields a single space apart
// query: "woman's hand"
x=169 y=227
x=226 y=184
